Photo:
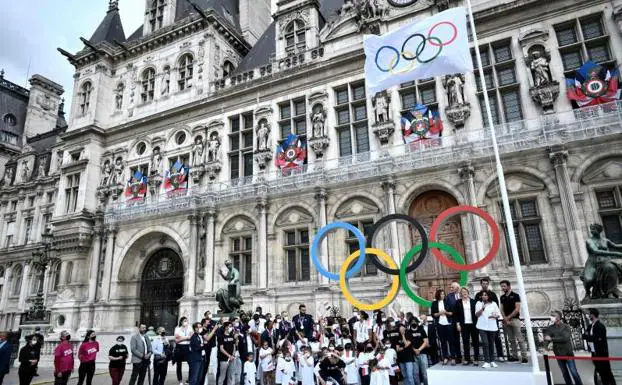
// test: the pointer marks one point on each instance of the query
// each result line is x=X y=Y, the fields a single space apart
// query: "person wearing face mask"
x=363 y=363
x=195 y=354
x=63 y=360
x=331 y=369
x=430 y=331
x=140 y=347
x=87 y=355
x=284 y=328
x=161 y=356
x=596 y=338
x=391 y=356
x=363 y=330
x=306 y=364
x=286 y=368
x=406 y=357
x=209 y=341
x=183 y=333
x=419 y=344
x=226 y=355
x=118 y=356
x=560 y=334
x=352 y=320
x=28 y=359
x=303 y=323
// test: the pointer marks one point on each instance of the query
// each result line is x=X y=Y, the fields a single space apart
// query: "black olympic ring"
x=410 y=220
x=420 y=48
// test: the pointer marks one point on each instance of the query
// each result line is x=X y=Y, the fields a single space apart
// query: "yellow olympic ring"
x=343 y=284
x=413 y=64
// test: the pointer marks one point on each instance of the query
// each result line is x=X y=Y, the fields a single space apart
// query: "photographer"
x=331 y=369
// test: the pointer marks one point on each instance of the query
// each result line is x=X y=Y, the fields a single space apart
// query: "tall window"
x=296 y=247
x=610 y=211
x=56 y=280
x=241 y=142
x=351 y=112
x=527 y=227
x=27 y=229
x=16 y=286
x=156 y=14
x=85 y=97
x=227 y=68
x=242 y=257
x=420 y=92
x=581 y=40
x=71 y=192
x=144 y=168
x=185 y=72
x=501 y=82
x=13 y=205
x=46 y=218
x=10 y=233
x=352 y=245
x=293 y=118
x=148 y=83
x=295 y=35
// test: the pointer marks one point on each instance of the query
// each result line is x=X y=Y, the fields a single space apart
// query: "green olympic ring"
x=464 y=275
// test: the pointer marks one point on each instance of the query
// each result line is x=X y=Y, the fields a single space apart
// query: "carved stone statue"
x=59 y=160
x=42 y=163
x=118 y=174
x=318 y=119
x=7 y=180
x=213 y=148
x=166 y=81
x=540 y=70
x=262 y=136
x=381 y=107
x=156 y=162
x=230 y=300
x=197 y=152
x=348 y=5
x=118 y=98
x=106 y=174
x=25 y=171
x=454 y=84
x=603 y=268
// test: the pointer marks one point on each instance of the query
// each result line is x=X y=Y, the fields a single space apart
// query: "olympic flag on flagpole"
x=436 y=46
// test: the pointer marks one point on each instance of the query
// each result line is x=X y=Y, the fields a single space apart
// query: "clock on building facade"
x=402 y=3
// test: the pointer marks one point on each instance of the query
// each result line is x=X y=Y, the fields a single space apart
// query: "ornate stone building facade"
x=218 y=87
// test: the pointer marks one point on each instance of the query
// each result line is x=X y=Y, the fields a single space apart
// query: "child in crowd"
x=306 y=366
x=250 y=370
x=349 y=358
x=267 y=363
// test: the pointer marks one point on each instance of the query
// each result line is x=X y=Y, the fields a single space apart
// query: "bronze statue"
x=230 y=300
x=603 y=268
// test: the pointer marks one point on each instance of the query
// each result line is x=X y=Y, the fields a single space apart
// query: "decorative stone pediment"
x=263 y=113
x=199 y=130
x=517 y=184
x=603 y=171
x=237 y=225
x=302 y=15
x=318 y=97
x=357 y=207
x=293 y=216
x=217 y=125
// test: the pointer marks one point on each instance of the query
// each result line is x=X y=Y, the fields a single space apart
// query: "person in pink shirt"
x=63 y=360
x=87 y=355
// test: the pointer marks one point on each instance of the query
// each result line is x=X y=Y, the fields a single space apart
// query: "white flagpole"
x=506 y=203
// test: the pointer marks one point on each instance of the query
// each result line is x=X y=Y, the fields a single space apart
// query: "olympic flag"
x=436 y=46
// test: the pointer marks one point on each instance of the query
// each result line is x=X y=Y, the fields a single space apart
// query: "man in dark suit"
x=195 y=355
x=270 y=335
x=465 y=323
x=596 y=338
x=303 y=323
x=5 y=355
x=140 y=346
x=452 y=299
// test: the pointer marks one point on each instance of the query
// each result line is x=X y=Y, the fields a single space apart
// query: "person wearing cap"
x=63 y=359
x=117 y=355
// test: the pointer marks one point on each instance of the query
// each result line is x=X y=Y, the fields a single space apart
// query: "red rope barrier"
x=581 y=358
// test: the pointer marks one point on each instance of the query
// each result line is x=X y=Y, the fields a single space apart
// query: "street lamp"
x=41 y=259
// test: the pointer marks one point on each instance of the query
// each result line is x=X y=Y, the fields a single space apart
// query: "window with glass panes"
x=241 y=146
x=144 y=168
x=610 y=211
x=241 y=255
x=156 y=14
x=71 y=192
x=296 y=249
x=293 y=118
x=351 y=116
x=295 y=35
x=581 y=40
x=184 y=159
x=420 y=92
x=352 y=245
x=501 y=82
x=527 y=227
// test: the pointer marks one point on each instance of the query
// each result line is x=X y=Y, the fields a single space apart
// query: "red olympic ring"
x=450 y=40
x=496 y=237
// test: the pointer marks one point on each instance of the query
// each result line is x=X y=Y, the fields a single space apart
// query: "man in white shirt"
x=362 y=329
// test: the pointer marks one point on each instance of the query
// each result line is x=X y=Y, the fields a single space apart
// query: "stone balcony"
x=547 y=131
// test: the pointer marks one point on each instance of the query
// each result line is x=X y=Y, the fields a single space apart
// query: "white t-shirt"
x=250 y=371
x=267 y=363
x=466 y=305
x=181 y=331
x=483 y=321
x=442 y=319
x=362 y=329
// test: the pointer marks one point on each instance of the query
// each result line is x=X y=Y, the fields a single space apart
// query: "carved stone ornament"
x=381 y=102
x=45 y=102
x=318 y=120
x=442 y=5
x=384 y=130
x=262 y=133
x=196 y=172
x=545 y=96
x=262 y=158
x=458 y=114
x=617 y=17
x=319 y=145
x=213 y=148
x=212 y=170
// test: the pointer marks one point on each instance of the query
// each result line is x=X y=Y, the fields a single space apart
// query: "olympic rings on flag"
x=453 y=26
x=323 y=233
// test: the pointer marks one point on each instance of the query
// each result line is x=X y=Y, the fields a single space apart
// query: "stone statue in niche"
x=156 y=162
x=381 y=107
x=42 y=163
x=318 y=118
x=118 y=98
x=106 y=174
x=603 y=268
x=166 y=81
x=213 y=147
x=540 y=69
x=59 y=160
x=197 y=152
x=7 y=180
x=263 y=132
x=454 y=84
x=118 y=174
x=25 y=171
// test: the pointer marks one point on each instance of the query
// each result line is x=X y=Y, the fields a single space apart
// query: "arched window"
x=227 y=68
x=185 y=72
x=56 y=277
x=16 y=286
x=85 y=97
x=9 y=119
x=148 y=81
x=36 y=280
x=295 y=35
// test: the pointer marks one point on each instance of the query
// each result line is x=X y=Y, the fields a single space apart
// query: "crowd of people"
x=365 y=349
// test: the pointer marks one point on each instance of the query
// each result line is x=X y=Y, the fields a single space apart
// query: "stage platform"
x=506 y=374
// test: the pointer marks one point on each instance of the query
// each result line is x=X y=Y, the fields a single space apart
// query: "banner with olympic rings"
x=400 y=273
x=436 y=46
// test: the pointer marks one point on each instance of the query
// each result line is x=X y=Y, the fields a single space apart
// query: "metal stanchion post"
x=547 y=369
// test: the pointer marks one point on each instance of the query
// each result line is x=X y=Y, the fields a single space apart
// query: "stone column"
x=7 y=284
x=466 y=173
x=576 y=240
x=320 y=196
x=209 y=251
x=23 y=293
x=109 y=259
x=262 y=242
x=192 y=258
x=46 y=282
x=388 y=186
x=95 y=262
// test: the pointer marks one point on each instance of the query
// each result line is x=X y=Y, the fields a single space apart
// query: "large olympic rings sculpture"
x=400 y=274
x=415 y=57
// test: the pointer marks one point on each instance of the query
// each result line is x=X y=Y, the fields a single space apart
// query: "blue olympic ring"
x=323 y=233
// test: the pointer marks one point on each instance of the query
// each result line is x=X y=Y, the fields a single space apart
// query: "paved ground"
x=46 y=376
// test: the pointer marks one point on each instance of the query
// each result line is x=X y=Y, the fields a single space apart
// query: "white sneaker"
x=501 y=359
x=494 y=364
x=486 y=365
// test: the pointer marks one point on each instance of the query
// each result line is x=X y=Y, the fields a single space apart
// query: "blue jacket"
x=196 y=348
x=5 y=357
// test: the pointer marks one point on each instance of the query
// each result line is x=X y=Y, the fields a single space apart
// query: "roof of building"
x=265 y=48
x=110 y=28
x=13 y=101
